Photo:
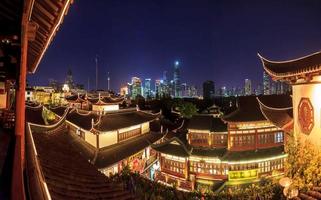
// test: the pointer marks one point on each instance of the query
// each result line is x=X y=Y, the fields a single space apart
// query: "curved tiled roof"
x=67 y=174
x=248 y=111
x=105 y=100
x=34 y=115
x=117 y=152
x=209 y=152
x=278 y=110
x=237 y=156
x=59 y=110
x=76 y=98
x=207 y=122
x=309 y=64
x=173 y=146
x=118 y=120
x=83 y=121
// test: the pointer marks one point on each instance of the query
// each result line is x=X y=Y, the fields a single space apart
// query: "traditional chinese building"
x=304 y=76
x=114 y=140
x=239 y=148
x=97 y=103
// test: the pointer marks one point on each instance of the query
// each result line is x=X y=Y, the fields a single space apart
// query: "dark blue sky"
x=215 y=40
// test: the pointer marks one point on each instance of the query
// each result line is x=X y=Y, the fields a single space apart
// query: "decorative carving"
x=306 y=115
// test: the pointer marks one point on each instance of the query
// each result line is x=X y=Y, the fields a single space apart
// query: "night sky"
x=215 y=40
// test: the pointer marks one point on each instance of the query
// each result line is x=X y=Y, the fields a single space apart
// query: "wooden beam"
x=40 y=20
x=44 y=11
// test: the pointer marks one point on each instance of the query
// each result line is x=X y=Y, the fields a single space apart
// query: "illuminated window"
x=278 y=137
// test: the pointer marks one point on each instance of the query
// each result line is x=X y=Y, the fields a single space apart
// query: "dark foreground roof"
x=115 y=153
x=248 y=110
x=59 y=110
x=291 y=68
x=207 y=122
x=278 y=110
x=69 y=175
x=173 y=146
x=234 y=156
x=34 y=115
x=114 y=121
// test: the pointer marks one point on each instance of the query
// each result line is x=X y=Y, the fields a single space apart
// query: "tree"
x=187 y=109
x=303 y=164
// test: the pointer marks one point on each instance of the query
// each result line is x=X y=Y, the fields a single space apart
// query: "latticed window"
x=129 y=134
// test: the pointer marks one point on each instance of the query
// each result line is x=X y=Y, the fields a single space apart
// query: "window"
x=129 y=134
x=278 y=137
x=199 y=138
x=206 y=168
x=174 y=166
x=242 y=140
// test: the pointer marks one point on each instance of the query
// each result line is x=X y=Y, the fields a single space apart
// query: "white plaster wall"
x=107 y=138
x=312 y=91
x=91 y=138
x=145 y=127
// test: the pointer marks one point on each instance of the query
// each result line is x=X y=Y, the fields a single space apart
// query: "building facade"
x=239 y=148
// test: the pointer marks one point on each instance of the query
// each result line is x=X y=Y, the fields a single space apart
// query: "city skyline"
x=207 y=44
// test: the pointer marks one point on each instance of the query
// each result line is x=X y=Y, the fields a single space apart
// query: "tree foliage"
x=303 y=164
x=187 y=109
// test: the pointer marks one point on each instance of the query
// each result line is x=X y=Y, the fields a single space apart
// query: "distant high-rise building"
x=108 y=81
x=129 y=89
x=223 y=91
x=165 y=79
x=177 y=80
x=158 y=89
x=69 y=80
x=247 y=87
x=208 y=89
x=147 y=90
x=273 y=86
x=185 y=90
x=136 y=87
x=193 y=91
x=259 y=90
x=266 y=84
x=124 y=90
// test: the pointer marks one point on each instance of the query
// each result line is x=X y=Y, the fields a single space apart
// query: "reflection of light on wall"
x=316 y=96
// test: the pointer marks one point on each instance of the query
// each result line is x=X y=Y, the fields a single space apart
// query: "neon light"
x=257 y=160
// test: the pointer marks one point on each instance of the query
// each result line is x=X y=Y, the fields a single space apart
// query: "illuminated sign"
x=243 y=175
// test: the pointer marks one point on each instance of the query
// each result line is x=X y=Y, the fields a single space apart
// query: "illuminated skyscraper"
x=157 y=89
x=266 y=84
x=147 y=90
x=248 y=87
x=177 y=80
x=136 y=87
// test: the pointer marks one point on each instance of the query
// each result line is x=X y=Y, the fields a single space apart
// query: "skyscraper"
x=136 y=87
x=184 y=90
x=69 y=80
x=248 y=87
x=147 y=90
x=157 y=89
x=208 y=89
x=177 y=80
x=266 y=84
